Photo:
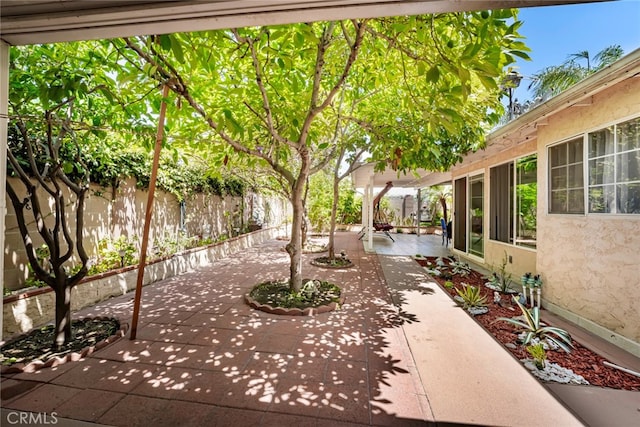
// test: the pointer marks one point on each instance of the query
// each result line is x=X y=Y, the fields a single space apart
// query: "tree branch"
x=266 y=105
x=353 y=54
x=19 y=206
x=182 y=90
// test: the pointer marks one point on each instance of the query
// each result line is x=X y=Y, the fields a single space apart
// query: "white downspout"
x=365 y=215
x=4 y=119
x=418 y=213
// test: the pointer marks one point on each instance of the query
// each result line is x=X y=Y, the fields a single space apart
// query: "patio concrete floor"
x=398 y=353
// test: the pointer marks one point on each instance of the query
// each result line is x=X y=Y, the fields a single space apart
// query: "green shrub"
x=539 y=355
x=33 y=282
x=114 y=254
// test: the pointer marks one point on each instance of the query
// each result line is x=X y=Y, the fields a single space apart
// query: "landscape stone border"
x=309 y=311
x=36 y=365
x=314 y=262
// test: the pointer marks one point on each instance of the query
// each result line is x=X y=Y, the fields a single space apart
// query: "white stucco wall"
x=591 y=263
x=122 y=214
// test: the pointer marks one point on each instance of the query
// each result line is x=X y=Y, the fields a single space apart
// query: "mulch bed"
x=336 y=262
x=34 y=350
x=581 y=360
x=276 y=297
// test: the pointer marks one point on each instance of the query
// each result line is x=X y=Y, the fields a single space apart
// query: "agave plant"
x=534 y=328
x=471 y=296
x=459 y=267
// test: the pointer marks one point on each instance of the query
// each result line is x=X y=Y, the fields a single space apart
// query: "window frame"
x=458 y=237
x=585 y=168
x=512 y=201
x=584 y=174
x=474 y=179
x=614 y=155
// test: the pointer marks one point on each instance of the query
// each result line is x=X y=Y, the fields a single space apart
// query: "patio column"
x=418 y=213
x=4 y=120
x=364 y=214
x=369 y=245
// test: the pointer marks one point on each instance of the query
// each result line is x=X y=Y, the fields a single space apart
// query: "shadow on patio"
x=203 y=357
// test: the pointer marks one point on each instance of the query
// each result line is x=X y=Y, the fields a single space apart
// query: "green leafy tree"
x=349 y=204
x=319 y=201
x=352 y=162
x=424 y=89
x=53 y=112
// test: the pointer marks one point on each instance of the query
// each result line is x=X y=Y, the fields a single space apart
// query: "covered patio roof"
x=47 y=21
x=417 y=179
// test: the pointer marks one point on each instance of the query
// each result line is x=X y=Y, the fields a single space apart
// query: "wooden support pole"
x=149 y=211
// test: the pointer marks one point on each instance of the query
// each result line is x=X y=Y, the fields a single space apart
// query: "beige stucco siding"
x=522 y=260
x=591 y=263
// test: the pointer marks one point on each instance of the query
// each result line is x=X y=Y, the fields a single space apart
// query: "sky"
x=555 y=32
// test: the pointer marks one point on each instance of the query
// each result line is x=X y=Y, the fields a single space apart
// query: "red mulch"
x=581 y=360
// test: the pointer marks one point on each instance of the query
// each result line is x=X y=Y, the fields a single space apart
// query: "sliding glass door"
x=476 y=206
x=460 y=218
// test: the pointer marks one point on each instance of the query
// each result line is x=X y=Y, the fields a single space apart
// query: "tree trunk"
x=294 y=247
x=443 y=202
x=334 y=214
x=305 y=224
x=304 y=227
x=63 y=314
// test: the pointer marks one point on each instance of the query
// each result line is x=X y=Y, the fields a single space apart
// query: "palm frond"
x=553 y=80
x=607 y=56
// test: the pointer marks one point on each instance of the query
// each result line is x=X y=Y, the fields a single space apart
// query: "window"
x=614 y=169
x=513 y=202
x=501 y=203
x=467 y=224
x=526 y=201
x=476 y=205
x=566 y=178
x=460 y=216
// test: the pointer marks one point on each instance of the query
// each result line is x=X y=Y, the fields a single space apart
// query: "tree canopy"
x=413 y=91
x=423 y=88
